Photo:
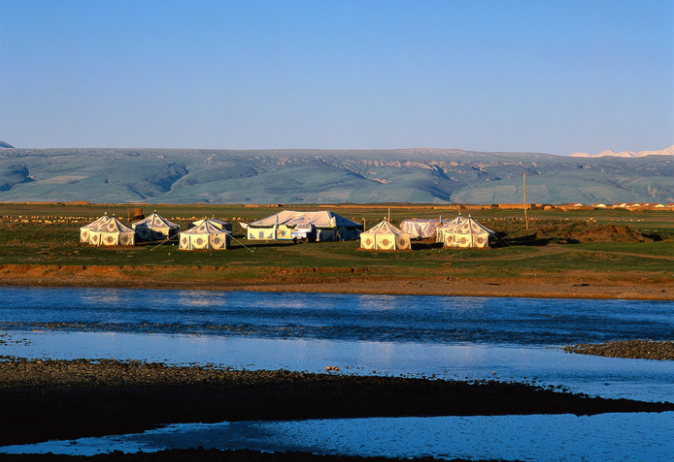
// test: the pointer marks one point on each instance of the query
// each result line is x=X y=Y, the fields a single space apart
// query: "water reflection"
x=628 y=437
x=608 y=377
x=467 y=320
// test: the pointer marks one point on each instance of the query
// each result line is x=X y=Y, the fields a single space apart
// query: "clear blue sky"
x=553 y=76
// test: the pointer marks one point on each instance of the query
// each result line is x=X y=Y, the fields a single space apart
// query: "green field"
x=554 y=244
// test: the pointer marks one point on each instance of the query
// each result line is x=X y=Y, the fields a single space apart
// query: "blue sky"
x=537 y=76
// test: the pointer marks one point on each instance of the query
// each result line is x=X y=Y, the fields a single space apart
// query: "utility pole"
x=524 y=192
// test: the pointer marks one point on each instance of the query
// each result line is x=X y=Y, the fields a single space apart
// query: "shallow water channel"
x=446 y=337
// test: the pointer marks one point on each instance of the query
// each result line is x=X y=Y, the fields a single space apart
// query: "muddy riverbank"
x=54 y=399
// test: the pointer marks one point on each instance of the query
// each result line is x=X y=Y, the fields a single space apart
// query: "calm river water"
x=449 y=337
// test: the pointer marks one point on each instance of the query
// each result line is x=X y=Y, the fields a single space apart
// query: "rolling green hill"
x=323 y=176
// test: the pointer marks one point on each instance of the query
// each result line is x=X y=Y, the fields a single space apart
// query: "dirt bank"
x=56 y=399
x=574 y=285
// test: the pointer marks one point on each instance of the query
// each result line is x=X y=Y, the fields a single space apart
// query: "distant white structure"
x=155 y=228
x=327 y=226
x=108 y=231
x=467 y=233
x=207 y=235
x=385 y=236
x=421 y=228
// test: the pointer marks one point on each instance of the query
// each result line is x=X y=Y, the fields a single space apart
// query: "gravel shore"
x=635 y=349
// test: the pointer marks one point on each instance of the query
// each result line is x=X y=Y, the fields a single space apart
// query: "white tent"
x=421 y=228
x=326 y=225
x=155 y=228
x=213 y=221
x=84 y=230
x=206 y=236
x=448 y=227
x=111 y=232
x=384 y=236
x=468 y=234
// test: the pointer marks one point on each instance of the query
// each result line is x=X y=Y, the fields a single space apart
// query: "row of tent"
x=209 y=233
x=214 y=234
x=459 y=232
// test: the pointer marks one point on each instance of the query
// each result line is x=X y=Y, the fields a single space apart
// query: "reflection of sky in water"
x=615 y=437
x=383 y=318
x=449 y=337
x=609 y=377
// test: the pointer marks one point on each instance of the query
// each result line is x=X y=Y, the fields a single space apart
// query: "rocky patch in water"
x=635 y=349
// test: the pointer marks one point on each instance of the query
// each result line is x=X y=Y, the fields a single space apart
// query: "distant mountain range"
x=608 y=153
x=423 y=175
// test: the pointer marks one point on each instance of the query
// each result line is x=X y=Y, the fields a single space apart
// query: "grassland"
x=603 y=253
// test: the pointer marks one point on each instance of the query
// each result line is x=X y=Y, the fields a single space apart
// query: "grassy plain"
x=589 y=249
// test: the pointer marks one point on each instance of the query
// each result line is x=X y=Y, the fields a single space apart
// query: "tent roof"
x=206 y=227
x=154 y=220
x=320 y=219
x=97 y=222
x=212 y=221
x=384 y=227
x=467 y=226
x=112 y=225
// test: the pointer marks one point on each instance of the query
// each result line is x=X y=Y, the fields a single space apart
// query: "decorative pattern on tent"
x=468 y=233
x=421 y=228
x=384 y=236
x=448 y=227
x=207 y=235
x=86 y=229
x=110 y=231
x=226 y=226
x=328 y=225
x=155 y=228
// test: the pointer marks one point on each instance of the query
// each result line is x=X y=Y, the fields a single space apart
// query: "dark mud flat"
x=200 y=455
x=42 y=400
x=634 y=349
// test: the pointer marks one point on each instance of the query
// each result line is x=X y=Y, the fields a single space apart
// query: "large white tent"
x=86 y=229
x=110 y=232
x=384 y=236
x=421 y=228
x=469 y=233
x=448 y=227
x=326 y=226
x=206 y=236
x=155 y=228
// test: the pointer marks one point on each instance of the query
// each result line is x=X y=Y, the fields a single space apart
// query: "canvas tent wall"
x=448 y=227
x=206 y=236
x=421 y=228
x=86 y=229
x=385 y=236
x=155 y=228
x=469 y=234
x=328 y=225
x=226 y=226
x=111 y=232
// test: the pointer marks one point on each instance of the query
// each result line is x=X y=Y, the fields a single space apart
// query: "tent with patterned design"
x=385 y=236
x=155 y=228
x=111 y=232
x=86 y=229
x=468 y=234
x=205 y=236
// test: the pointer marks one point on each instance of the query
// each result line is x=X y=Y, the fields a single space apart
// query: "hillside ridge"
x=417 y=175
